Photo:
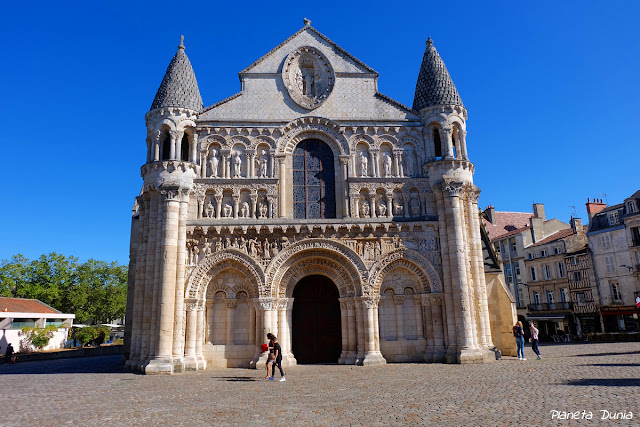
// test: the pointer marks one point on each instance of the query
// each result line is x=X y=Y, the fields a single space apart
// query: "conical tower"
x=157 y=345
x=451 y=177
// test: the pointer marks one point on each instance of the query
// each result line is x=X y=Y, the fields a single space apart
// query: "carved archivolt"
x=315 y=266
x=412 y=261
x=319 y=248
x=215 y=263
x=316 y=128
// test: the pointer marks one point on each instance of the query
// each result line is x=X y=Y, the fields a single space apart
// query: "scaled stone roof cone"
x=179 y=87
x=434 y=86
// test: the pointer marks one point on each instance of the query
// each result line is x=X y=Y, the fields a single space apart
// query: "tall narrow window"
x=437 y=145
x=615 y=291
x=313 y=181
x=184 y=148
x=166 y=145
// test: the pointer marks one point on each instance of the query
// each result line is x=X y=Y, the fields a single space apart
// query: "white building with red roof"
x=16 y=313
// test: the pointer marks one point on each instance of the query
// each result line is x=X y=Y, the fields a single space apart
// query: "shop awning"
x=547 y=317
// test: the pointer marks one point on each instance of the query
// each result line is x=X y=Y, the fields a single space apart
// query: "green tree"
x=39 y=337
x=14 y=274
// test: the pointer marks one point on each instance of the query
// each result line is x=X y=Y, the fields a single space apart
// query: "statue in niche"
x=274 y=249
x=263 y=210
x=195 y=251
x=237 y=166
x=397 y=207
x=265 y=248
x=244 y=210
x=409 y=161
x=207 y=248
x=227 y=242
x=377 y=249
x=368 y=251
x=284 y=241
x=387 y=165
x=210 y=211
x=305 y=78
x=264 y=161
x=433 y=245
x=227 y=210
x=242 y=244
x=218 y=245
x=414 y=205
x=382 y=208
x=213 y=163
x=253 y=247
x=364 y=164
x=364 y=210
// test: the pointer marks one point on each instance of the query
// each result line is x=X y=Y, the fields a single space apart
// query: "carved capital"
x=344 y=160
x=369 y=302
x=170 y=194
x=175 y=135
x=398 y=299
x=474 y=194
x=265 y=304
x=232 y=303
x=452 y=188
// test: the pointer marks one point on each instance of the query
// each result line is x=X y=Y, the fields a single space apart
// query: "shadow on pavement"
x=614 y=364
x=234 y=378
x=110 y=364
x=607 y=354
x=606 y=382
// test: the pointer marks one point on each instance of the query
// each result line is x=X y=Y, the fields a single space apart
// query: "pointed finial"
x=181 y=43
x=429 y=41
x=307 y=22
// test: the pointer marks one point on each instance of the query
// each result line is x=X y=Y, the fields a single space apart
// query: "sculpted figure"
x=210 y=211
x=263 y=210
x=364 y=164
x=397 y=207
x=237 y=164
x=218 y=245
x=244 y=210
x=207 y=249
x=414 y=206
x=382 y=208
x=368 y=251
x=432 y=244
x=409 y=161
x=196 y=251
x=264 y=160
x=227 y=242
x=284 y=240
x=227 y=210
x=242 y=244
x=387 y=165
x=213 y=163
x=364 y=210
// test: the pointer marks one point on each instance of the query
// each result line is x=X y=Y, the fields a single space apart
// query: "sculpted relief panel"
x=308 y=77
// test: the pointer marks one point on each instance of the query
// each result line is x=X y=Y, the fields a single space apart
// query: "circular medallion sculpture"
x=308 y=77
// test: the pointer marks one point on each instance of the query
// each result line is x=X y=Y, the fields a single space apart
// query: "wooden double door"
x=316 y=329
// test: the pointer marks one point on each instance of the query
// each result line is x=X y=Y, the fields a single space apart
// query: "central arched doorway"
x=316 y=332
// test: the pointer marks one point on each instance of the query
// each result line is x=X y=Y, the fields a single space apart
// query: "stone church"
x=312 y=206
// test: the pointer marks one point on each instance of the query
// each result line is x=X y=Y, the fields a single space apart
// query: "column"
x=236 y=205
x=372 y=205
x=356 y=207
x=417 y=311
x=252 y=321
x=272 y=164
x=463 y=144
x=250 y=164
x=176 y=139
x=459 y=280
x=345 y=331
x=147 y=292
x=372 y=356
x=445 y=135
x=156 y=146
x=190 y=361
x=203 y=164
x=178 y=332
x=290 y=355
x=344 y=184
x=194 y=144
x=218 y=198
x=137 y=330
x=161 y=358
x=405 y=205
x=353 y=339
x=390 y=205
x=398 y=301
x=360 y=325
x=254 y=204
x=259 y=337
x=448 y=319
x=374 y=164
x=401 y=163
x=281 y=186
x=354 y=167
x=200 y=331
x=231 y=309
x=396 y=163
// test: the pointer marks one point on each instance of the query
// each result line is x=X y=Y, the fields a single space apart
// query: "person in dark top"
x=518 y=333
x=8 y=353
x=278 y=359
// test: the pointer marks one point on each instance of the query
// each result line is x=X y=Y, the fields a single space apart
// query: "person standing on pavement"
x=518 y=333
x=534 y=340
x=278 y=359
x=8 y=353
x=270 y=356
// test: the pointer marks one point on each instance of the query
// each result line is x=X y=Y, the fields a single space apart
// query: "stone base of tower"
x=466 y=356
x=159 y=366
x=373 y=358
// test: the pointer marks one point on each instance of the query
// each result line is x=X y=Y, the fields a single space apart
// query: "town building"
x=16 y=313
x=312 y=206
x=511 y=233
x=614 y=241
x=551 y=286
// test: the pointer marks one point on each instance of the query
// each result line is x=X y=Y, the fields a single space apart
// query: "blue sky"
x=551 y=89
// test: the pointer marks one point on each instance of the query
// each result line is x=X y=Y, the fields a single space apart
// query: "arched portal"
x=316 y=334
x=313 y=180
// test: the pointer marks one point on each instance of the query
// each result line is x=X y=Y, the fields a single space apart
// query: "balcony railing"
x=551 y=306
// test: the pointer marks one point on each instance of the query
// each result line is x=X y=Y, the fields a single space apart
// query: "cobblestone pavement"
x=95 y=391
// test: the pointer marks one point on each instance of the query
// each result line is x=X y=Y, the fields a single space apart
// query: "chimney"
x=537 y=228
x=576 y=225
x=490 y=214
x=593 y=207
x=538 y=211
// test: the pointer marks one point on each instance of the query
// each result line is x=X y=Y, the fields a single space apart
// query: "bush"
x=39 y=337
x=95 y=335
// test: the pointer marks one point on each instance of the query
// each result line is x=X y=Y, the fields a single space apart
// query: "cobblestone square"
x=95 y=391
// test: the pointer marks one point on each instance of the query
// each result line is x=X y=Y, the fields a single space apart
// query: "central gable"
x=308 y=75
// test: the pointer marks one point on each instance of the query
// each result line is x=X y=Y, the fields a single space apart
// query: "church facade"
x=311 y=206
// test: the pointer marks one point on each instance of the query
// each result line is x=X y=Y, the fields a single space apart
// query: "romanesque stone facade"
x=308 y=205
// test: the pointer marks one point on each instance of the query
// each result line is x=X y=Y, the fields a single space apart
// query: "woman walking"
x=270 y=356
x=534 y=340
x=277 y=350
x=518 y=333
